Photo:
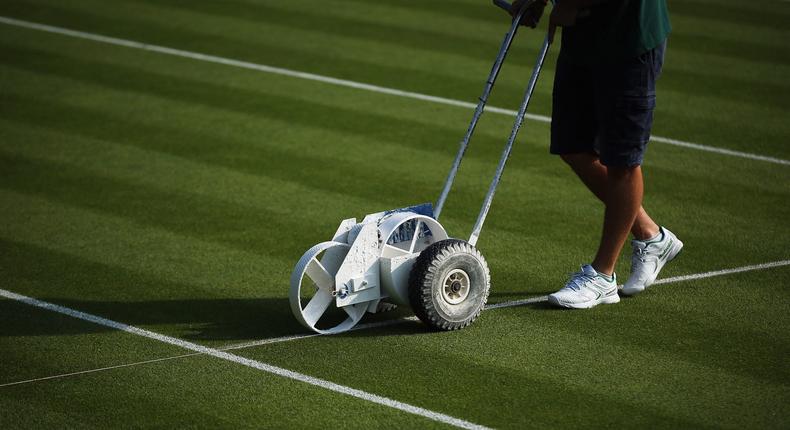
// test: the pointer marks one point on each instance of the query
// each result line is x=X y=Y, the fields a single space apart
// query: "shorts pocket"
x=632 y=120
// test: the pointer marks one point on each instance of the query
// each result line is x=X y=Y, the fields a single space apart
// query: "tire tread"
x=421 y=277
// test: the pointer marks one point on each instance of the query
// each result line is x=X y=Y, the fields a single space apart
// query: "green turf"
x=640 y=361
x=176 y=195
x=185 y=392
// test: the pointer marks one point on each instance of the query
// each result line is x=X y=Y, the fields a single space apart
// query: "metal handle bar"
x=481 y=103
x=479 y=111
x=522 y=111
x=503 y=4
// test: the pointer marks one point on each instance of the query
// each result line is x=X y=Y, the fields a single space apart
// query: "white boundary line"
x=754 y=267
x=100 y=369
x=365 y=326
x=268 y=368
x=501 y=305
x=157 y=360
x=673 y=279
x=718 y=150
x=231 y=347
x=343 y=82
x=520 y=302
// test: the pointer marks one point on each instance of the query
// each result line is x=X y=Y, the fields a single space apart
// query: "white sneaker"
x=648 y=259
x=586 y=289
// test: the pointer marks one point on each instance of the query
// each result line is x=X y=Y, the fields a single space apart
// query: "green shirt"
x=616 y=30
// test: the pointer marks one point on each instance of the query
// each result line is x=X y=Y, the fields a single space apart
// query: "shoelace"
x=640 y=253
x=577 y=280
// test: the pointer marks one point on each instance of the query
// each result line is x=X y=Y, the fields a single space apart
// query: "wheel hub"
x=455 y=287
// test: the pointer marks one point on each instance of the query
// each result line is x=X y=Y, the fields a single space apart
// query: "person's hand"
x=563 y=14
x=533 y=13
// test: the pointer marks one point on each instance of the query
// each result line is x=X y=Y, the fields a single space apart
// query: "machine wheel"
x=313 y=291
x=449 y=284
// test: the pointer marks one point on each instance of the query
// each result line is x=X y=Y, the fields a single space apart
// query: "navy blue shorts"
x=606 y=109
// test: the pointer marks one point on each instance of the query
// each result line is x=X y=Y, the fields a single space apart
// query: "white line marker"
x=343 y=82
x=405 y=407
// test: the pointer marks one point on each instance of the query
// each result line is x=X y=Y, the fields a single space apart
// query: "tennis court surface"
x=165 y=163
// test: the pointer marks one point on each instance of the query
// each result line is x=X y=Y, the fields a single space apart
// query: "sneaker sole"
x=672 y=254
x=607 y=300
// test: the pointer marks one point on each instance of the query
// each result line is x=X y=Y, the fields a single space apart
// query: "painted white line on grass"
x=101 y=369
x=508 y=304
x=343 y=82
x=231 y=347
x=252 y=66
x=363 y=395
x=722 y=272
x=157 y=360
x=365 y=326
x=520 y=302
x=671 y=280
x=253 y=343
x=718 y=150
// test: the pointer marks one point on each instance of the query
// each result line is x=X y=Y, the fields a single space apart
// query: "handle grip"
x=503 y=5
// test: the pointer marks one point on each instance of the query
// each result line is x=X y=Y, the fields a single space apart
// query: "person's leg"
x=573 y=131
x=624 y=190
x=625 y=100
x=594 y=175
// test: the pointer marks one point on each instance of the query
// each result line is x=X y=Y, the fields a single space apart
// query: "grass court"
x=174 y=194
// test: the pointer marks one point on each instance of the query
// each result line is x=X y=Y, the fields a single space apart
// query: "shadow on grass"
x=154 y=301
x=195 y=320
x=199 y=320
x=398 y=325
x=188 y=308
x=145 y=300
x=543 y=306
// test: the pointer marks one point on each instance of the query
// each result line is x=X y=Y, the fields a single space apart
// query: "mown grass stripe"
x=279 y=371
x=343 y=82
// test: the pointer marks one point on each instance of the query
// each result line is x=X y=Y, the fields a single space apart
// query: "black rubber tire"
x=427 y=276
